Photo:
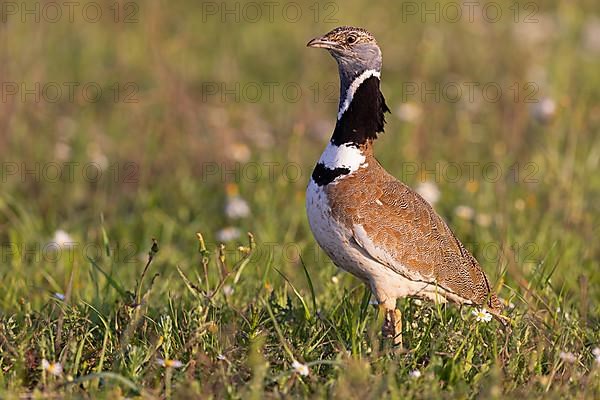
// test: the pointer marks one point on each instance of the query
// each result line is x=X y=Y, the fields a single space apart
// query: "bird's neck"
x=361 y=112
x=360 y=119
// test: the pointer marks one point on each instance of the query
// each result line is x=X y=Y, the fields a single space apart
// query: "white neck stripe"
x=354 y=87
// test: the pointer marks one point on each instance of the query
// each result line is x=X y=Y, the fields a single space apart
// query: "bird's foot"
x=392 y=326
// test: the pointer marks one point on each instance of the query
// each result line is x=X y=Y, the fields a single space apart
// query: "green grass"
x=238 y=315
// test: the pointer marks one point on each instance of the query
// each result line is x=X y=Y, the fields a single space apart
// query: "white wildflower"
x=62 y=239
x=227 y=290
x=544 y=110
x=240 y=152
x=53 y=368
x=415 y=374
x=429 y=191
x=228 y=234
x=596 y=353
x=237 y=208
x=482 y=315
x=464 y=212
x=301 y=369
x=167 y=363
x=520 y=204
x=484 y=220
x=567 y=357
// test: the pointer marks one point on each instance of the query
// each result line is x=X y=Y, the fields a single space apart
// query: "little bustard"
x=369 y=223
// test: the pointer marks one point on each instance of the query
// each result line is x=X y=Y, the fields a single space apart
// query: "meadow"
x=154 y=158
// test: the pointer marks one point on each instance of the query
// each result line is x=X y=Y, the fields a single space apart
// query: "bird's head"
x=354 y=49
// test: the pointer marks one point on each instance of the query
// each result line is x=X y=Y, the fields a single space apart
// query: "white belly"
x=338 y=243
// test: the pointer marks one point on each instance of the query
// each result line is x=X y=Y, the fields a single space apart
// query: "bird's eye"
x=351 y=39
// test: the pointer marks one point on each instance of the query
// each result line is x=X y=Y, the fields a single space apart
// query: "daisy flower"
x=169 y=363
x=567 y=357
x=235 y=206
x=62 y=239
x=53 y=368
x=228 y=234
x=464 y=212
x=596 y=353
x=227 y=290
x=544 y=110
x=482 y=315
x=301 y=369
x=415 y=374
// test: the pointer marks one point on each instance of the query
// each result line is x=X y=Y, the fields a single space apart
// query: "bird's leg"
x=392 y=325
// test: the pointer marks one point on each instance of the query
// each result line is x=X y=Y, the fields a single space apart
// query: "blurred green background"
x=204 y=103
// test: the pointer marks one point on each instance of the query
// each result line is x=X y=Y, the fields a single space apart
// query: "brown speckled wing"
x=406 y=234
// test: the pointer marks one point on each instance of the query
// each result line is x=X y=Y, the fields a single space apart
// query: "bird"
x=369 y=223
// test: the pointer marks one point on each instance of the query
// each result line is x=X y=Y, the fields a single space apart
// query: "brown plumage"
x=402 y=223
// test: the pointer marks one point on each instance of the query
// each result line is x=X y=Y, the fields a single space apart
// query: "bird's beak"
x=321 y=43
